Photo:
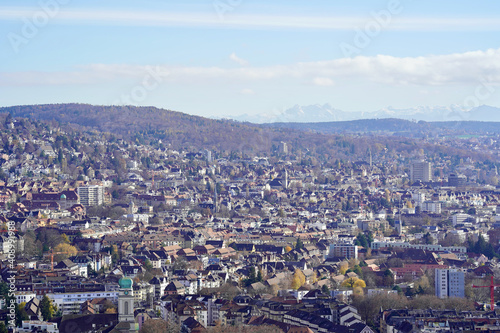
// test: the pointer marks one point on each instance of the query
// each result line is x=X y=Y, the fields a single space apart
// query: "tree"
x=362 y=241
x=398 y=289
x=180 y=263
x=359 y=284
x=423 y=284
x=47 y=308
x=65 y=238
x=298 y=279
x=259 y=275
x=343 y=267
x=66 y=251
x=395 y=262
x=160 y=326
x=115 y=254
x=50 y=238
x=148 y=265
x=21 y=314
x=388 y=279
x=481 y=246
x=288 y=248
x=109 y=307
x=299 y=245
x=252 y=277
x=325 y=289
x=354 y=282
x=358 y=291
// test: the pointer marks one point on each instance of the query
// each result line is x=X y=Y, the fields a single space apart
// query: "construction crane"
x=492 y=289
x=153 y=173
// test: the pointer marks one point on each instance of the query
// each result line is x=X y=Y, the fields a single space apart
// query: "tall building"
x=343 y=250
x=449 y=283
x=457 y=180
x=283 y=148
x=420 y=170
x=208 y=155
x=92 y=195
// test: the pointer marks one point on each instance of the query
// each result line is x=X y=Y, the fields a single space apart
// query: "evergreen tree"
x=259 y=276
x=46 y=308
x=325 y=290
x=21 y=314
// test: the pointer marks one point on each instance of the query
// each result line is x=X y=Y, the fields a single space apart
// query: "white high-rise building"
x=420 y=170
x=92 y=195
x=449 y=283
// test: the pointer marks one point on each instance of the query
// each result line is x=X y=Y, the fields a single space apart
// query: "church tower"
x=131 y=207
x=126 y=300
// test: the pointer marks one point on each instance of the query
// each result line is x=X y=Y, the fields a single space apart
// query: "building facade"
x=91 y=195
x=420 y=170
x=449 y=283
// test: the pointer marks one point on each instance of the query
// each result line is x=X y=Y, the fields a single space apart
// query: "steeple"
x=126 y=300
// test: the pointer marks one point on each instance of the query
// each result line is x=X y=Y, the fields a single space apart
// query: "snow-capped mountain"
x=326 y=113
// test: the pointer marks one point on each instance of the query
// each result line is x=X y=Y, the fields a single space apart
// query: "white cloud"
x=435 y=70
x=247 y=91
x=238 y=60
x=322 y=81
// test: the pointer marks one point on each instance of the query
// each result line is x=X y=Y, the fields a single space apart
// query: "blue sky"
x=230 y=57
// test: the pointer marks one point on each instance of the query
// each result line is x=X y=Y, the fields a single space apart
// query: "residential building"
x=449 y=283
x=420 y=170
x=92 y=195
x=344 y=250
x=70 y=302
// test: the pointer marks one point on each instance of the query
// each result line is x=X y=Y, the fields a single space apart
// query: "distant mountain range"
x=326 y=113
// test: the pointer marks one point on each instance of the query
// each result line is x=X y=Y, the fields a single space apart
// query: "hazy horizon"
x=221 y=57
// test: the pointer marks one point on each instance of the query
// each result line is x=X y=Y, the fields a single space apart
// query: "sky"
x=220 y=58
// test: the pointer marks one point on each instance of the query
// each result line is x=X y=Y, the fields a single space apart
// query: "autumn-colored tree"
x=344 y=266
x=353 y=262
x=358 y=291
x=423 y=283
x=115 y=254
x=354 y=282
x=359 y=284
x=65 y=250
x=288 y=248
x=296 y=282
x=65 y=238
x=298 y=279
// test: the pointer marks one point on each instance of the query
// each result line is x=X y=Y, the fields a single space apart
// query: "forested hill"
x=150 y=125
x=145 y=123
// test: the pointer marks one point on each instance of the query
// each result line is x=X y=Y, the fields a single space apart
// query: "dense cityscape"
x=231 y=166
x=105 y=234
